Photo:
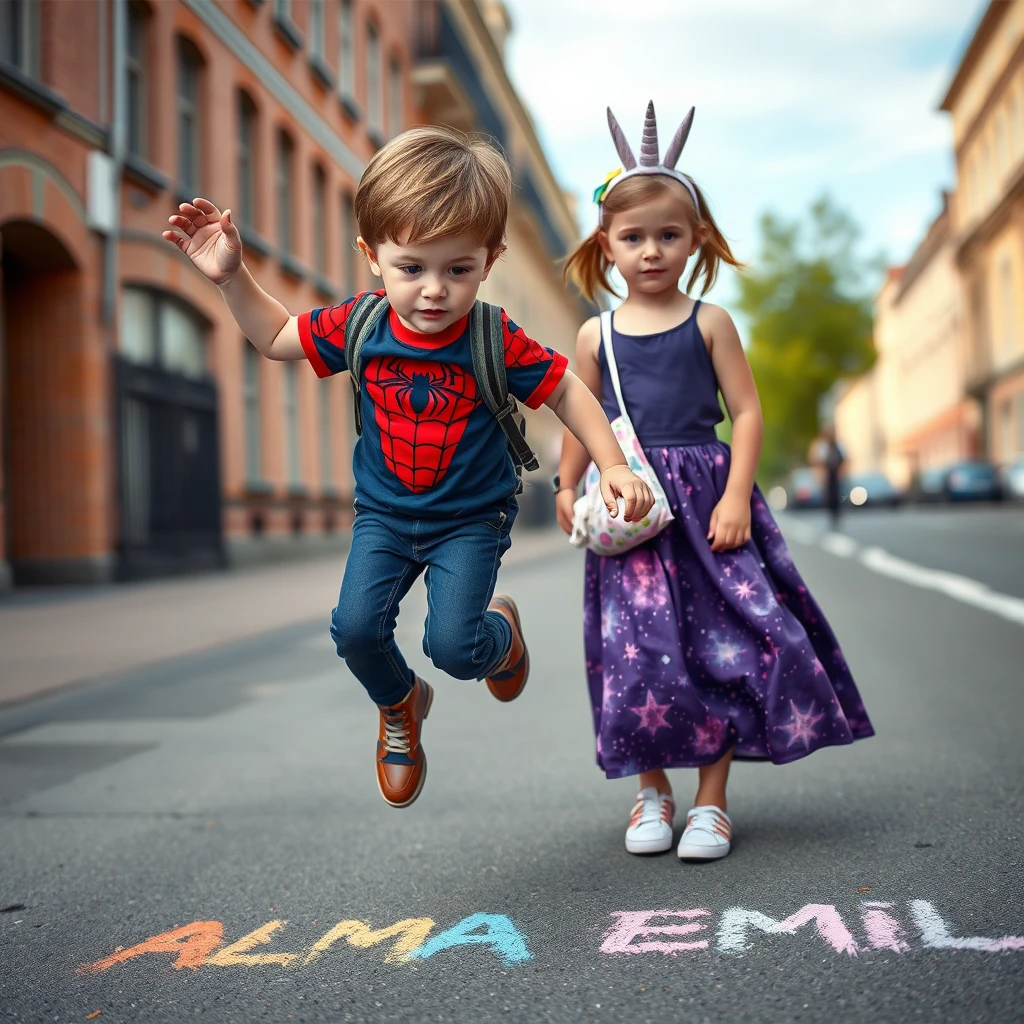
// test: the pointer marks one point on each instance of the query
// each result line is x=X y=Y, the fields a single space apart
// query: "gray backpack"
x=487 y=344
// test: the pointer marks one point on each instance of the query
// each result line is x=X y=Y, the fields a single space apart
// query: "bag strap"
x=487 y=346
x=363 y=317
x=613 y=368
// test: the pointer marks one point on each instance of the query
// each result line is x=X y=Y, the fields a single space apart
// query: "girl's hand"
x=564 y=501
x=208 y=239
x=621 y=482
x=730 y=523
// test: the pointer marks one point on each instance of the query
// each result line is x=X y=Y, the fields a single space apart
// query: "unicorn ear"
x=675 y=147
x=649 y=141
x=621 y=145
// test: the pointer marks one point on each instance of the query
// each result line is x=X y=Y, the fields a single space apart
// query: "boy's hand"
x=621 y=482
x=564 y=501
x=208 y=239
x=730 y=523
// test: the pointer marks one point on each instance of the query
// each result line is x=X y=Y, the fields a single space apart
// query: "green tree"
x=808 y=300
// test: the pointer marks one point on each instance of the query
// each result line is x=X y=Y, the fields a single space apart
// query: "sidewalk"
x=55 y=639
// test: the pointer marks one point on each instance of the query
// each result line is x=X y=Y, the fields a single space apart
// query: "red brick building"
x=140 y=432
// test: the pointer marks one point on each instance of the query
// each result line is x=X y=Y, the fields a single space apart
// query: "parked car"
x=1013 y=480
x=804 y=489
x=930 y=486
x=973 y=480
x=868 y=489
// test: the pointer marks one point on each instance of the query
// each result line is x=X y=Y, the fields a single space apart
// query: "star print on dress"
x=801 y=727
x=652 y=714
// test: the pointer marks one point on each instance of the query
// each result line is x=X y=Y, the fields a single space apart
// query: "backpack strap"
x=487 y=344
x=363 y=317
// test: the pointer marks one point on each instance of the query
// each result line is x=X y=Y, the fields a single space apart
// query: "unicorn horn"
x=649 y=143
x=621 y=145
x=675 y=147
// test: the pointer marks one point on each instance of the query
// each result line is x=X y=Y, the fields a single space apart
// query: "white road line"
x=839 y=544
x=960 y=588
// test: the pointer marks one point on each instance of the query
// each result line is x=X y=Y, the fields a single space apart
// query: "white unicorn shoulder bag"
x=592 y=526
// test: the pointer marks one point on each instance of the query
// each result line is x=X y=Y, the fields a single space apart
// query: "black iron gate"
x=169 y=472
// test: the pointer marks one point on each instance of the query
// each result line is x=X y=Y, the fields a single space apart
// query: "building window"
x=189 y=68
x=348 y=244
x=253 y=422
x=135 y=86
x=396 y=115
x=1014 y=117
x=316 y=29
x=157 y=330
x=1002 y=146
x=1006 y=451
x=247 y=143
x=1009 y=345
x=319 y=220
x=20 y=35
x=346 y=50
x=291 y=420
x=285 y=158
x=326 y=447
x=374 y=85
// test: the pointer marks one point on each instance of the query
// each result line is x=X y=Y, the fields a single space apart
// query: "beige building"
x=986 y=102
x=949 y=327
x=910 y=412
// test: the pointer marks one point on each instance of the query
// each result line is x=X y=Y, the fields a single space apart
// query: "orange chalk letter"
x=192 y=942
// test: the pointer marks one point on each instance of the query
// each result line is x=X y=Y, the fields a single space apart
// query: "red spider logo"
x=422 y=409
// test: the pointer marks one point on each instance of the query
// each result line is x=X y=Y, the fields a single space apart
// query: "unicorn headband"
x=649 y=163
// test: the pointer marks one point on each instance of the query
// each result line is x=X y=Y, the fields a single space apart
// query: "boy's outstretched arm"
x=210 y=239
x=574 y=404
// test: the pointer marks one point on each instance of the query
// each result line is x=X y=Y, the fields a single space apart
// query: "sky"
x=793 y=99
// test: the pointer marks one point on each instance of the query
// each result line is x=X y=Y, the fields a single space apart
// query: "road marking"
x=960 y=588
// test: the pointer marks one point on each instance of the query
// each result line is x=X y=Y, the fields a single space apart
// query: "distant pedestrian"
x=703 y=643
x=435 y=478
x=828 y=455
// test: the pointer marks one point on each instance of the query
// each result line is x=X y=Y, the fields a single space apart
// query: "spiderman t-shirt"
x=430 y=448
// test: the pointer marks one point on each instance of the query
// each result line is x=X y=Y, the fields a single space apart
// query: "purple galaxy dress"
x=689 y=652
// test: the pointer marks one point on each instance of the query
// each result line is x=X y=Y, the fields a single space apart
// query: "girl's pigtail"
x=713 y=250
x=587 y=267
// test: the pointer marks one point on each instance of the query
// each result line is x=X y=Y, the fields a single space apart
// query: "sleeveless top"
x=668 y=384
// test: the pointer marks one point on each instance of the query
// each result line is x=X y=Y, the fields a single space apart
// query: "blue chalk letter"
x=500 y=933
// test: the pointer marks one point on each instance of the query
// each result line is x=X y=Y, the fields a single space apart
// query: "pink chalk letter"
x=883 y=930
x=732 y=930
x=935 y=933
x=636 y=924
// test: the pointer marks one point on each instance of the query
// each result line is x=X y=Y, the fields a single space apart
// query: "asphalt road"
x=982 y=542
x=234 y=792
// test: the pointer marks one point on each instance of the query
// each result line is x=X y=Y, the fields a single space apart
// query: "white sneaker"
x=650 y=824
x=707 y=836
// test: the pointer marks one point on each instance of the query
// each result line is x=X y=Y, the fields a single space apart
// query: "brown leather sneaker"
x=508 y=681
x=401 y=762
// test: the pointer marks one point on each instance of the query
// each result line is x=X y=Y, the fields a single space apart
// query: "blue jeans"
x=461 y=560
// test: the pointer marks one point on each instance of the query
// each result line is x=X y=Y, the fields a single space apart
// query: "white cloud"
x=793 y=98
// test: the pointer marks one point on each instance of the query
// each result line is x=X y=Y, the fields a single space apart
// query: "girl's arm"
x=210 y=239
x=575 y=405
x=575 y=457
x=730 y=521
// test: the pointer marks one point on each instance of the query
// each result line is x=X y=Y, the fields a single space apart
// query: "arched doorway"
x=45 y=447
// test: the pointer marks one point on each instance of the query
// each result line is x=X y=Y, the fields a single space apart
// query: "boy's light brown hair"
x=430 y=183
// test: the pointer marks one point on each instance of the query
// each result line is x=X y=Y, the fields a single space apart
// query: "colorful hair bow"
x=603 y=187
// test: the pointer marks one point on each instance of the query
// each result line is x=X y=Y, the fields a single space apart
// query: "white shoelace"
x=396 y=732
x=705 y=819
x=650 y=808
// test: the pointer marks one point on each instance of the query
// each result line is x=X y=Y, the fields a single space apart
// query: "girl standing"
x=703 y=644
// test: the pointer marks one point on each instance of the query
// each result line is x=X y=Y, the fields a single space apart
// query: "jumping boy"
x=435 y=484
